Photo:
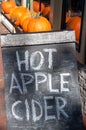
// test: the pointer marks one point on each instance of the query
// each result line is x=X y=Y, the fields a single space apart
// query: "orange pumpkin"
x=17 y=13
x=24 y=24
x=46 y=11
x=38 y=24
x=36 y=6
x=24 y=16
x=7 y=5
x=75 y=24
x=11 y=11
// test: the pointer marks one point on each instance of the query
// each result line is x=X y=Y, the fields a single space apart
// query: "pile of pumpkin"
x=74 y=23
x=29 y=20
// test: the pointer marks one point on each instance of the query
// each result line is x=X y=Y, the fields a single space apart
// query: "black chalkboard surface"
x=41 y=81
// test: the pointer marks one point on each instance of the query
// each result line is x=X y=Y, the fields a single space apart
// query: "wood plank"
x=2 y=98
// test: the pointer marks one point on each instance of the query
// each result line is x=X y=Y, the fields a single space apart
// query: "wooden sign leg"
x=2 y=97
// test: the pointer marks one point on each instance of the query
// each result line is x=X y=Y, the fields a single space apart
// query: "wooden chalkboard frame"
x=17 y=51
x=37 y=38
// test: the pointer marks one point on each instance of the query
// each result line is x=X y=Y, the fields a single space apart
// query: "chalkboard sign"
x=41 y=81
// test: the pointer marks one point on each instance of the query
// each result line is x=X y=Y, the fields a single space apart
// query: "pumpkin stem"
x=38 y=15
x=14 y=20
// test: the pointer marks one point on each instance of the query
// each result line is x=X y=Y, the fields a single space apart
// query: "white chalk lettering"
x=50 y=56
x=17 y=117
x=34 y=111
x=27 y=110
x=33 y=57
x=50 y=85
x=26 y=83
x=60 y=105
x=47 y=108
x=63 y=89
x=53 y=108
x=29 y=60
x=15 y=84
x=39 y=79
x=25 y=61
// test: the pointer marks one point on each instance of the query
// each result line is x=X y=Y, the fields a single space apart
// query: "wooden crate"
x=9 y=24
